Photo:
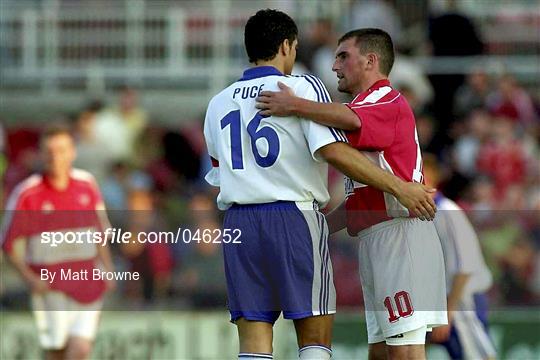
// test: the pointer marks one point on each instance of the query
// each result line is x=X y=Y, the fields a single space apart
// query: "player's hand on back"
x=418 y=199
x=276 y=103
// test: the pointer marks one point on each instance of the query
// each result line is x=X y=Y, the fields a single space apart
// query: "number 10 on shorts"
x=400 y=307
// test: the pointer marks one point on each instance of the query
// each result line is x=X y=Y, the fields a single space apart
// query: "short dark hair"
x=56 y=129
x=265 y=32
x=374 y=40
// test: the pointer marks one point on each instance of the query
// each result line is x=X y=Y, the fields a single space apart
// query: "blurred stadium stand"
x=184 y=51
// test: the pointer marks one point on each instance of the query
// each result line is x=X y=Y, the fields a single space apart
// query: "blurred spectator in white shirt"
x=92 y=155
x=408 y=74
x=119 y=127
x=379 y=14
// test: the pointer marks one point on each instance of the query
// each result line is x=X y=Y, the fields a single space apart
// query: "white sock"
x=314 y=352
x=254 y=356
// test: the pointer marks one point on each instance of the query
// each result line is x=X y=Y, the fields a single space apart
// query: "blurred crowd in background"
x=483 y=129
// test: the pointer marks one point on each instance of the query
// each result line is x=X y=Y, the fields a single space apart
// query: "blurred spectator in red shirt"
x=503 y=157
x=345 y=263
x=22 y=155
x=513 y=102
x=3 y=159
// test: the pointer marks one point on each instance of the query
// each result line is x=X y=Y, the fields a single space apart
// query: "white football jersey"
x=461 y=247
x=266 y=159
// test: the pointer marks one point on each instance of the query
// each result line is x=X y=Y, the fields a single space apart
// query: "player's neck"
x=370 y=82
x=275 y=62
x=59 y=182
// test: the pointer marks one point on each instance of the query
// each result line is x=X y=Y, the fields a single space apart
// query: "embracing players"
x=272 y=180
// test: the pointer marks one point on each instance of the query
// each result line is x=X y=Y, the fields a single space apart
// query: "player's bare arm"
x=415 y=197
x=442 y=333
x=34 y=282
x=285 y=103
x=456 y=293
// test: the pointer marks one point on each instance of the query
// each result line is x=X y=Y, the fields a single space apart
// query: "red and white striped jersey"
x=388 y=137
x=35 y=206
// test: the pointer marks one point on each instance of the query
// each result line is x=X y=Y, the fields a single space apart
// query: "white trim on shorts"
x=323 y=292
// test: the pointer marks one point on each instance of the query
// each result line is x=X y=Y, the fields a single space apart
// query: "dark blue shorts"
x=281 y=265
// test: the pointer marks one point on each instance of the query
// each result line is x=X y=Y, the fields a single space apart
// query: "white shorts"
x=402 y=274
x=59 y=317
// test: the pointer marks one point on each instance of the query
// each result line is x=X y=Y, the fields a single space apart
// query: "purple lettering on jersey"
x=248 y=91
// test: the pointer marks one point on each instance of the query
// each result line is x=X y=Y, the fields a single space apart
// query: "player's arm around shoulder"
x=285 y=103
x=414 y=196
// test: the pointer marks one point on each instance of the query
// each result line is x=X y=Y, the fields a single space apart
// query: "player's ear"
x=285 y=47
x=372 y=60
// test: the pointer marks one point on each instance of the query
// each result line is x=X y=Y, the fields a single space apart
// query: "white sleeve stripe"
x=343 y=135
x=375 y=104
x=324 y=88
x=321 y=89
x=314 y=88
x=339 y=132
x=80 y=174
x=340 y=135
x=417 y=172
x=325 y=93
x=332 y=130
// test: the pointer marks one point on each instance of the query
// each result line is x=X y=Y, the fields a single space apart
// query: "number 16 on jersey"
x=266 y=132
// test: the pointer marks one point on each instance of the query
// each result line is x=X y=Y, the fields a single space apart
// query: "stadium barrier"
x=72 y=45
x=209 y=335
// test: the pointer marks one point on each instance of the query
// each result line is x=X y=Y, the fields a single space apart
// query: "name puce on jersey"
x=248 y=91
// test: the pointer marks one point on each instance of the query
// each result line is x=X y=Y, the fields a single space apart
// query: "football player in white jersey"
x=467 y=279
x=273 y=179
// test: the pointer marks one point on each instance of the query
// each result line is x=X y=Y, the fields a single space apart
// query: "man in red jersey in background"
x=401 y=261
x=65 y=299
